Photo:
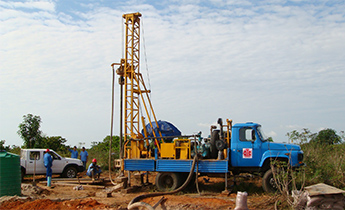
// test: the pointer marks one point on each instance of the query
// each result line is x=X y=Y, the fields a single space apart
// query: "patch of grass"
x=325 y=163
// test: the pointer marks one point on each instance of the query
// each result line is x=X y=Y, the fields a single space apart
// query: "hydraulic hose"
x=196 y=178
x=134 y=203
x=111 y=124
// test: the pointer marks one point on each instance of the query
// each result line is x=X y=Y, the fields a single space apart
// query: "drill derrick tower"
x=135 y=92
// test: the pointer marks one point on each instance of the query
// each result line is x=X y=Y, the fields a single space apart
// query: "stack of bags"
x=334 y=202
x=318 y=197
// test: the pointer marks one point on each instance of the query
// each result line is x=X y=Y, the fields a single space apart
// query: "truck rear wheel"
x=268 y=182
x=168 y=181
x=70 y=172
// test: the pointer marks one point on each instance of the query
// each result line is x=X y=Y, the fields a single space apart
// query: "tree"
x=327 y=137
x=300 y=137
x=105 y=144
x=100 y=150
x=342 y=135
x=2 y=147
x=56 y=143
x=15 y=149
x=29 y=131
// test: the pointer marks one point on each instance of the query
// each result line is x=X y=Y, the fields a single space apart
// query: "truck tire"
x=213 y=148
x=70 y=172
x=167 y=181
x=268 y=183
x=220 y=145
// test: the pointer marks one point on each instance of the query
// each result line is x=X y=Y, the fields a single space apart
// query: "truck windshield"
x=262 y=134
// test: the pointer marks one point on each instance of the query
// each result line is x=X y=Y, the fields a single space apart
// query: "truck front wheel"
x=268 y=182
x=70 y=172
x=167 y=181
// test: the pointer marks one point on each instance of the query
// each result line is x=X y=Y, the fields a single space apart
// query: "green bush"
x=100 y=151
x=325 y=163
x=324 y=155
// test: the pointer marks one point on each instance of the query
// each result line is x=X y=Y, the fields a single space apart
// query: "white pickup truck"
x=66 y=167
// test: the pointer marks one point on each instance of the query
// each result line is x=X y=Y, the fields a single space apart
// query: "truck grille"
x=300 y=156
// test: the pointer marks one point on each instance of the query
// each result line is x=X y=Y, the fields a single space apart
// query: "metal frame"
x=135 y=91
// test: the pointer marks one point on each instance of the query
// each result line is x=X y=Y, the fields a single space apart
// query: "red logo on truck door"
x=247 y=153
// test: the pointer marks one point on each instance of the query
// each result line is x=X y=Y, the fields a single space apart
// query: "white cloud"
x=40 y=5
x=272 y=134
x=204 y=125
x=269 y=63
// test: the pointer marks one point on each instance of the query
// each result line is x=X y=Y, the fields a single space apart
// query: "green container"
x=10 y=174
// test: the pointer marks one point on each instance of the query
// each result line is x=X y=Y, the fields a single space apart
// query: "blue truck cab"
x=240 y=148
x=251 y=148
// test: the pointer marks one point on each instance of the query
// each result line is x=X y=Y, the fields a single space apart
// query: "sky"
x=275 y=62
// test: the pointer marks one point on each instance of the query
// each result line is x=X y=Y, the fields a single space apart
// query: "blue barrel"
x=10 y=174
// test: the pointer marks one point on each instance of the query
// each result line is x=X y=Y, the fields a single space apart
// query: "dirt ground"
x=60 y=196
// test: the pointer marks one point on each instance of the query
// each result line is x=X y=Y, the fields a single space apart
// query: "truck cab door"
x=247 y=152
x=58 y=163
x=35 y=160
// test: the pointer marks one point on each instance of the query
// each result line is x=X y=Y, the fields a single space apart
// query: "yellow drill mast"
x=135 y=91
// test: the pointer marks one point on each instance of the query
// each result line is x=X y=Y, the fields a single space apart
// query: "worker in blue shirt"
x=84 y=156
x=48 y=163
x=94 y=170
x=74 y=152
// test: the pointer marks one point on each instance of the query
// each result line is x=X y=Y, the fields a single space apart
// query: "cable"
x=146 y=63
x=111 y=123
x=197 y=166
x=196 y=179
x=141 y=197
x=112 y=108
x=145 y=55
x=123 y=38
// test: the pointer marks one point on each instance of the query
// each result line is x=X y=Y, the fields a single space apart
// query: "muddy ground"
x=92 y=196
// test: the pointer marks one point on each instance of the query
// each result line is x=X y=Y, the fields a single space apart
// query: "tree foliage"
x=14 y=149
x=29 y=131
x=326 y=137
x=56 y=143
x=323 y=156
x=270 y=139
x=300 y=137
x=325 y=163
x=100 y=150
x=2 y=147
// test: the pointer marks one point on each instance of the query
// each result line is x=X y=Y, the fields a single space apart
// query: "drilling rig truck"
x=160 y=147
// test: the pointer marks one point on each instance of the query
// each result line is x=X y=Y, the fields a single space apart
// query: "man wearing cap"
x=94 y=170
x=48 y=163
